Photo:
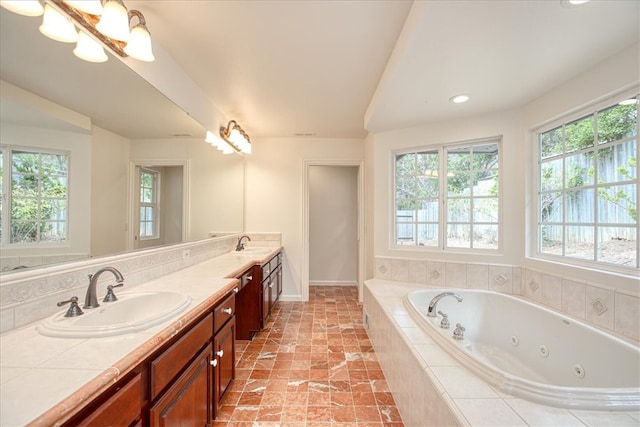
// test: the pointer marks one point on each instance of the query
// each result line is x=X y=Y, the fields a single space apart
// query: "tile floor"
x=313 y=365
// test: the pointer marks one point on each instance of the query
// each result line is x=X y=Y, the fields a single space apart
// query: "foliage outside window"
x=588 y=188
x=468 y=193
x=35 y=210
x=148 y=204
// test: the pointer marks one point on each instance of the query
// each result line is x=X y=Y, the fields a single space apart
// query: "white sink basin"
x=253 y=251
x=134 y=311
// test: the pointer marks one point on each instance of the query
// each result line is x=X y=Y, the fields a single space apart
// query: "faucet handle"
x=74 y=309
x=444 y=323
x=458 y=333
x=111 y=296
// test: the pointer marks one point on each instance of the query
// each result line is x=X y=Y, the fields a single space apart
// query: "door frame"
x=133 y=191
x=305 y=220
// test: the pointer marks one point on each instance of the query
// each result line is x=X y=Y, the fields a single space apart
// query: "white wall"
x=507 y=124
x=274 y=192
x=109 y=169
x=621 y=71
x=333 y=225
x=215 y=182
x=78 y=145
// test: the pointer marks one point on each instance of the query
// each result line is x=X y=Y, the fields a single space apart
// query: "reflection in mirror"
x=106 y=119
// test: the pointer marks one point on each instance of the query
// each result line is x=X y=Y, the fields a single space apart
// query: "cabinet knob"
x=227 y=310
x=214 y=362
x=235 y=290
x=220 y=353
x=249 y=278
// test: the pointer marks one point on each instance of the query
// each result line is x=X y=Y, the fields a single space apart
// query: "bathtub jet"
x=538 y=354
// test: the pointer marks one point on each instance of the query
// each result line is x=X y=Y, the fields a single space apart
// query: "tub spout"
x=431 y=311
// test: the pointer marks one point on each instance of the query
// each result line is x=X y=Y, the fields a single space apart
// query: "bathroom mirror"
x=125 y=123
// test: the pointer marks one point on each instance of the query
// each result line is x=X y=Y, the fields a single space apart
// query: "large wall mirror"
x=114 y=127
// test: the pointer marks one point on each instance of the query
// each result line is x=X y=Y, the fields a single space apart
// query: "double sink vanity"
x=162 y=354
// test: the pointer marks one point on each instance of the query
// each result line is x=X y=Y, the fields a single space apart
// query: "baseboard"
x=332 y=283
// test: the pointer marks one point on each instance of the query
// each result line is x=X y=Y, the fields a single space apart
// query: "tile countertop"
x=45 y=380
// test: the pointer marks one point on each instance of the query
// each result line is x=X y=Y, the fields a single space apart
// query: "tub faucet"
x=240 y=245
x=431 y=311
x=91 y=299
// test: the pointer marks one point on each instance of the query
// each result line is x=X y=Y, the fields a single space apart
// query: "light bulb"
x=58 y=27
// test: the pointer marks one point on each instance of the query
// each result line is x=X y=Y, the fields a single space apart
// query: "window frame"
x=535 y=242
x=443 y=216
x=7 y=198
x=155 y=204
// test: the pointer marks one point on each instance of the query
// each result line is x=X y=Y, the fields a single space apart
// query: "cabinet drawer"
x=224 y=311
x=122 y=408
x=166 y=366
x=246 y=278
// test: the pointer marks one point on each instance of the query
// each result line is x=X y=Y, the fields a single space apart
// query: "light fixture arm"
x=88 y=23
x=243 y=146
x=141 y=20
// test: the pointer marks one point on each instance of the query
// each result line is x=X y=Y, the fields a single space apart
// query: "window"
x=588 y=188
x=149 y=204
x=35 y=209
x=469 y=196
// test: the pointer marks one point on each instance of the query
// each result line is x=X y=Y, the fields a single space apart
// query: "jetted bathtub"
x=531 y=352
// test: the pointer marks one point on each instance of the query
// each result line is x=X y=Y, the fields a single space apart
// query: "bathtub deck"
x=432 y=389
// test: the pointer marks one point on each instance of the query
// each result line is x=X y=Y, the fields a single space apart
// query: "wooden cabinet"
x=223 y=352
x=122 y=405
x=271 y=285
x=187 y=402
x=180 y=384
x=248 y=304
x=261 y=286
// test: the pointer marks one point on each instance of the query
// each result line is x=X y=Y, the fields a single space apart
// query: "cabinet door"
x=266 y=301
x=187 y=402
x=120 y=409
x=248 y=305
x=224 y=353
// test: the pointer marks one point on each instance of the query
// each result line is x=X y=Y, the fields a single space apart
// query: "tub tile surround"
x=614 y=310
x=431 y=388
x=27 y=296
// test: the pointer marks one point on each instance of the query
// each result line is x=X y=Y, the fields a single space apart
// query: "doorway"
x=333 y=246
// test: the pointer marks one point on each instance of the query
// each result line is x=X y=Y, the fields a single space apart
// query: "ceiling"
x=343 y=68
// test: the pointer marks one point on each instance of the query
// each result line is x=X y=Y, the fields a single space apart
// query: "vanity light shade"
x=23 y=7
x=89 y=49
x=218 y=143
x=114 y=22
x=139 y=45
x=58 y=27
x=92 y=7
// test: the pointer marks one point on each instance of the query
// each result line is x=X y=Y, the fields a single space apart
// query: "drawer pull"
x=220 y=353
x=214 y=362
x=227 y=310
x=235 y=290
x=249 y=278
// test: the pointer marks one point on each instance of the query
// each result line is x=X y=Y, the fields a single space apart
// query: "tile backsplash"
x=615 y=310
x=30 y=295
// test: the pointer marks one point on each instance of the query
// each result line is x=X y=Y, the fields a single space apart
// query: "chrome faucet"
x=240 y=245
x=431 y=311
x=91 y=299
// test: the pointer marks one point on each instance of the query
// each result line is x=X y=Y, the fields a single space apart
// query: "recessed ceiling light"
x=572 y=3
x=459 y=99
